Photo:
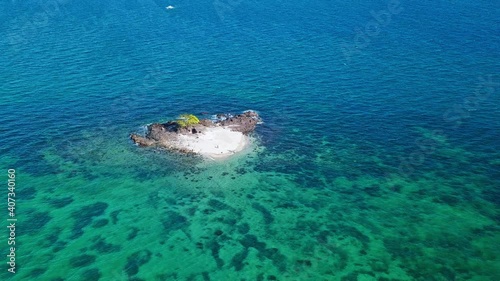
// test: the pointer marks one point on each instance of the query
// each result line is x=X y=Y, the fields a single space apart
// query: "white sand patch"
x=214 y=142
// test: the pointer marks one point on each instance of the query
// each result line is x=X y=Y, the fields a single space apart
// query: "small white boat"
x=170 y=7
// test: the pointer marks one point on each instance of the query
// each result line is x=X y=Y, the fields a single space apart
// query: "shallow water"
x=381 y=165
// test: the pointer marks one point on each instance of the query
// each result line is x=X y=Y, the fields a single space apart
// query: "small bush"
x=185 y=120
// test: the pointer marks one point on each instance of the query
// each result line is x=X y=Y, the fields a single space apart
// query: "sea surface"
x=378 y=158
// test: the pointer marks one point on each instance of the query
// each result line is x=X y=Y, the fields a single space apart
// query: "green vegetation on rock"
x=185 y=120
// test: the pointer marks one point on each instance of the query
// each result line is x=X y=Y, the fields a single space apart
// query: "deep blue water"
x=78 y=77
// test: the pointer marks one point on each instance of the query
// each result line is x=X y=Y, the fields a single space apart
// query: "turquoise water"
x=378 y=158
